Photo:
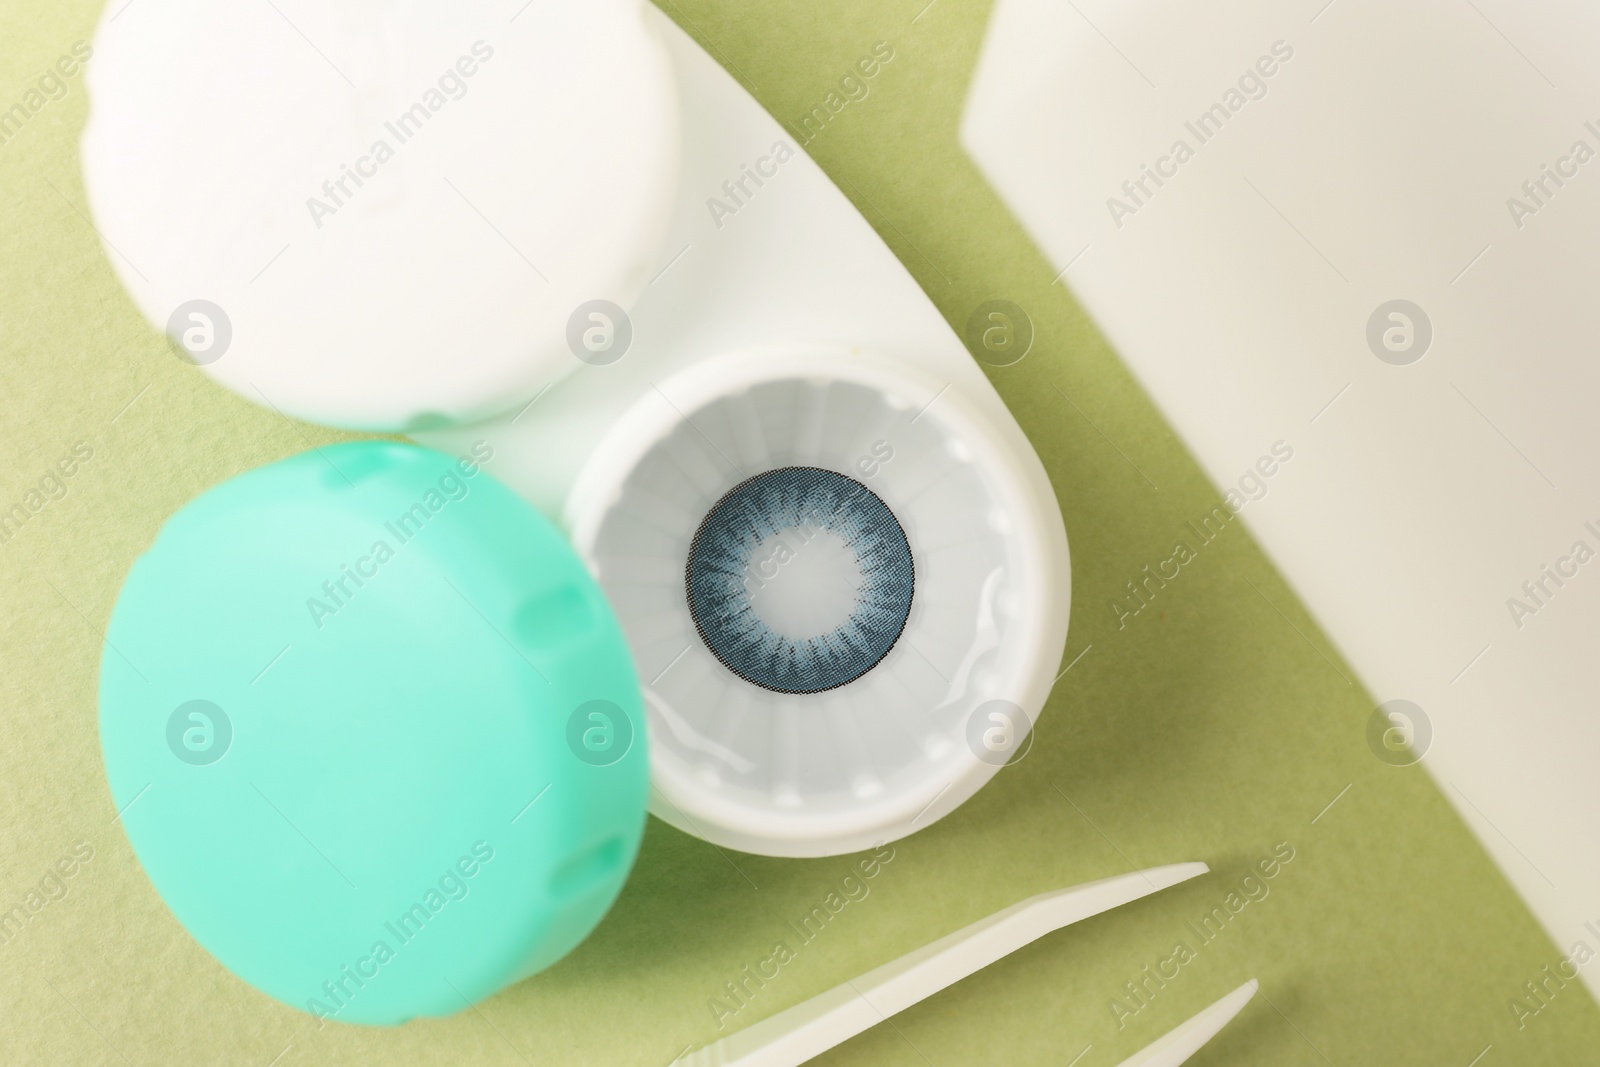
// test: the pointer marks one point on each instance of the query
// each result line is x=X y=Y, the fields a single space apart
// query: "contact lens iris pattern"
x=774 y=514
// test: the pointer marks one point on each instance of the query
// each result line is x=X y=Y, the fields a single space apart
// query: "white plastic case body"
x=794 y=274
x=1386 y=160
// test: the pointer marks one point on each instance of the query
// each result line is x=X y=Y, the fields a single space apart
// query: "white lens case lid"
x=893 y=749
x=379 y=215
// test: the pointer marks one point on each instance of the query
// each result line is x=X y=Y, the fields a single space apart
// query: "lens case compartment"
x=885 y=752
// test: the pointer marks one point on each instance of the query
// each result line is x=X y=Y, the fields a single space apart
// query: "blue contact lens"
x=800 y=580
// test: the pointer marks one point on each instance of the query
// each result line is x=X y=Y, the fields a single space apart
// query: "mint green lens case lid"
x=373 y=732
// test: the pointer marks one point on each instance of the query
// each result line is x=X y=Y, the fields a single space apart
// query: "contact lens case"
x=810 y=578
x=373 y=731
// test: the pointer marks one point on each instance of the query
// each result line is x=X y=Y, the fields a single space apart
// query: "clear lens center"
x=803 y=582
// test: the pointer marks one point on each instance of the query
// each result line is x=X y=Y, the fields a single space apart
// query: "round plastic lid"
x=373 y=732
x=380 y=215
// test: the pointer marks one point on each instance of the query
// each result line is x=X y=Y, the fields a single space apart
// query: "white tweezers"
x=810 y=1028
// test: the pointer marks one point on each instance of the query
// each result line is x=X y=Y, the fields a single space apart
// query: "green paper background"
x=1214 y=726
